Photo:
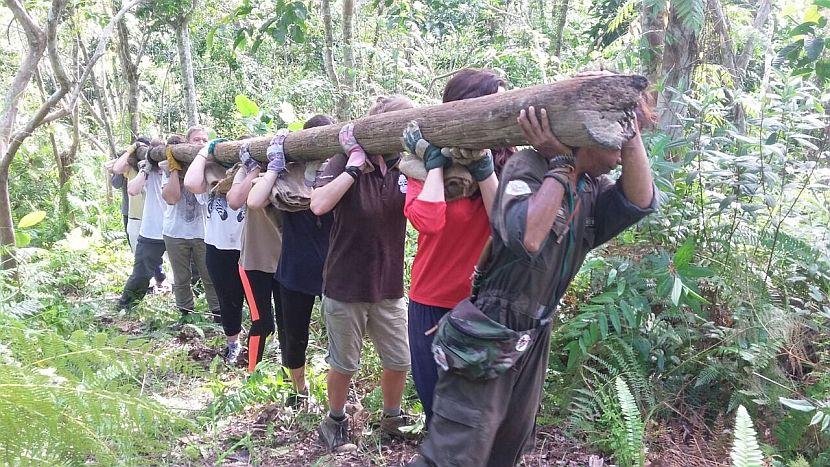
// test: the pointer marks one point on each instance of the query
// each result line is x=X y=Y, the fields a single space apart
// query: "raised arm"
x=135 y=185
x=338 y=180
x=545 y=203
x=325 y=198
x=637 y=180
x=194 y=178
x=122 y=164
x=260 y=192
x=259 y=195
x=488 y=188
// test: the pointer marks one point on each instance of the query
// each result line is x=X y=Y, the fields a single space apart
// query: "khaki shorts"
x=347 y=323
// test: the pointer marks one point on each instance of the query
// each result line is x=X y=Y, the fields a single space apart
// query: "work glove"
x=414 y=142
x=276 y=152
x=249 y=163
x=172 y=163
x=481 y=168
x=354 y=152
x=144 y=167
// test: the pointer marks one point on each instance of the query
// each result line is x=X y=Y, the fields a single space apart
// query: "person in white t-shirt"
x=223 y=231
x=150 y=245
x=184 y=233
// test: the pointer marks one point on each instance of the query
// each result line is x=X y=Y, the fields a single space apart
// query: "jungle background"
x=700 y=337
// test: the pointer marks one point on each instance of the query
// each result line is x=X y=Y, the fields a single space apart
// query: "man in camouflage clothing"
x=551 y=209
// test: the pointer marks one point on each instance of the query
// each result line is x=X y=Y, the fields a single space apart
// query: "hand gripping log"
x=583 y=111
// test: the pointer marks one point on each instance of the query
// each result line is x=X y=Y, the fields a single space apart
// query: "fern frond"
x=634 y=451
x=625 y=14
x=745 y=450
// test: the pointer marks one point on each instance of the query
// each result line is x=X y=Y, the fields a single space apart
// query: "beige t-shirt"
x=136 y=204
x=261 y=237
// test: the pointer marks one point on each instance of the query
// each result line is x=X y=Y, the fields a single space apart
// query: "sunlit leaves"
x=246 y=106
x=31 y=219
x=691 y=13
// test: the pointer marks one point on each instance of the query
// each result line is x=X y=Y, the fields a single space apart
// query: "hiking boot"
x=334 y=435
x=391 y=425
x=234 y=349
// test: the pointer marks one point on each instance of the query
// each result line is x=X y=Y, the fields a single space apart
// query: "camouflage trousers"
x=487 y=422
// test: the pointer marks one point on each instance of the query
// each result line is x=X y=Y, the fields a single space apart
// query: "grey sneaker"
x=392 y=426
x=234 y=349
x=335 y=435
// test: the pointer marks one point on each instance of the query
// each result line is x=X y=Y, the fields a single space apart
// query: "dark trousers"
x=158 y=274
x=292 y=326
x=423 y=318
x=148 y=258
x=223 y=268
x=260 y=290
x=478 y=423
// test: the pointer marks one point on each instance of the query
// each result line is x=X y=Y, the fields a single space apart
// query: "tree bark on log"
x=584 y=111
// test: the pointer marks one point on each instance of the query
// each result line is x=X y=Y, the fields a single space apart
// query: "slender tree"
x=61 y=103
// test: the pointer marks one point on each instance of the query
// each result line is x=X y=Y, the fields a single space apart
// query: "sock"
x=337 y=415
x=392 y=412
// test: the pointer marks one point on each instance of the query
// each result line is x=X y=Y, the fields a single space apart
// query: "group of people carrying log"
x=501 y=233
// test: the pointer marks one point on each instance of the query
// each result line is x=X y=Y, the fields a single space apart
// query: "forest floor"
x=244 y=422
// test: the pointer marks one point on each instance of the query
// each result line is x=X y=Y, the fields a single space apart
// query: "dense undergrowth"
x=704 y=330
x=716 y=303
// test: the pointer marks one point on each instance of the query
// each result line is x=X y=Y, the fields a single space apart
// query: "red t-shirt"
x=450 y=238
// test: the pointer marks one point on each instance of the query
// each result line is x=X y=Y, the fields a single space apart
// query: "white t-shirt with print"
x=223 y=227
x=185 y=219
x=152 y=217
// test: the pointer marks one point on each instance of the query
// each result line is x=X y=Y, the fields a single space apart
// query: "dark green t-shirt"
x=521 y=289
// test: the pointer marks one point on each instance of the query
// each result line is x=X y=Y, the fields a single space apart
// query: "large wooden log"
x=584 y=111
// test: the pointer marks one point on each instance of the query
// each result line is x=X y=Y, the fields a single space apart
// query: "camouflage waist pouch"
x=472 y=345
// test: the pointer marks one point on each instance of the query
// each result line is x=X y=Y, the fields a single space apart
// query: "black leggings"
x=223 y=267
x=294 y=321
x=260 y=289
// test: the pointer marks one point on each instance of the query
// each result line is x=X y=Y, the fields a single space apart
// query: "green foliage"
x=268 y=384
x=633 y=452
x=718 y=301
x=806 y=53
x=72 y=399
x=690 y=12
x=745 y=451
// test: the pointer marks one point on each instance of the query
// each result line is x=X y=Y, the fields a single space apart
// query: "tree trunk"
x=186 y=62
x=38 y=40
x=328 y=57
x=349 y=71
x=130 y=70
x=560 y=17
x=7 y=261
x=720 y=24
x=679 y=61
x=584 y=111
x=65 y=161
x=758 y=23
x=653 y=24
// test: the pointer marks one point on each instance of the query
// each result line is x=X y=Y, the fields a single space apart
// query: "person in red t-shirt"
x=451 y=234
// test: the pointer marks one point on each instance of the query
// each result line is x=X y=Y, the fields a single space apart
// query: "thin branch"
x=42 y=116
x=33 y=32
